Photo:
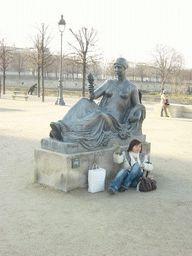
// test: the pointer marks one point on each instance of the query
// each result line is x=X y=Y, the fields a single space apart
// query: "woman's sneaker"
x=110 y=191
x=122 y=189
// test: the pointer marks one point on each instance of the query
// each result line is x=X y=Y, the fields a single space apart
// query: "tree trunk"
x=42 y=84
x=42 y=63
x=176 y=88
x=3 y=81
x=38 y=80
x=42 y=81
x=162 y=86
x=0 y=86
x=84 y=74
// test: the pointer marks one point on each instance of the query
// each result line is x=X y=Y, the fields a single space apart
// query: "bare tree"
x=5 y=59
x=42 y=56
x=187 y=76
x=71 y=66
x=131 y=72
x=95 y=68
x=19 y=60
x=110 y=71
x=177 y=73
x=166 y=62
x=49 y=64
x=85 y=50
x=56 y=64
x=141 y=70
x=36 y=56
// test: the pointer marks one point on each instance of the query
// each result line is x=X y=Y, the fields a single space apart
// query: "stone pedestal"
x=65 y=166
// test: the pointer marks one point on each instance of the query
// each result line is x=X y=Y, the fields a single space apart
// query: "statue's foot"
x=55 y=135
x=56 y=131
x=56 y=127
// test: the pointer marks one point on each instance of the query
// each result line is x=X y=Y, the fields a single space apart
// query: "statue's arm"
x=101 y=90
x=135 y=101
x=135 y=97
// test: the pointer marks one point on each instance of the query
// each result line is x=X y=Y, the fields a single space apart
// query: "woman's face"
x=137 y=148
x=120 y=70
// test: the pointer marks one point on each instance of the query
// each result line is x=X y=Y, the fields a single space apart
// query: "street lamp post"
x=60 y=100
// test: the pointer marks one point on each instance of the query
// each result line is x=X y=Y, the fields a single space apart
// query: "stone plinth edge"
x=71 y=148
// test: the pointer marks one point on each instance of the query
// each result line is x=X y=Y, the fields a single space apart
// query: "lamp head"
x=61 y=24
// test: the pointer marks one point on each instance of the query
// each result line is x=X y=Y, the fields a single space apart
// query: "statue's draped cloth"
x=93 y=125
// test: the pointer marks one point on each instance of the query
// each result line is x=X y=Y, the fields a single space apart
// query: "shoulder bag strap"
x=128 y=157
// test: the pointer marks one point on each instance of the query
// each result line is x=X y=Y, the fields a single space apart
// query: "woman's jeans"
x=126 y=178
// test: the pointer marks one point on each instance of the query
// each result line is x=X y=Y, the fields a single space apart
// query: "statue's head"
x=121 y=61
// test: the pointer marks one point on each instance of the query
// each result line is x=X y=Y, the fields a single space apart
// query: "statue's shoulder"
x=130 y=85
x=110 y=82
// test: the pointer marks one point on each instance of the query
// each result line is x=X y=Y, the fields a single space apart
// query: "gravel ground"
x=37 y=220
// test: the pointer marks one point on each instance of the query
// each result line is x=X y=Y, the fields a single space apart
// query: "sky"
x=127 y=28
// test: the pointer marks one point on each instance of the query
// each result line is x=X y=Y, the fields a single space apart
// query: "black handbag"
x=146 y=184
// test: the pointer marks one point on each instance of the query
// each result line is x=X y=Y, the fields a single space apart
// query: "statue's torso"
x=117 y=98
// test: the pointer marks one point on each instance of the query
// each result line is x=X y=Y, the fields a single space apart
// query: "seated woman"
x=134 y=162
x=118 y=114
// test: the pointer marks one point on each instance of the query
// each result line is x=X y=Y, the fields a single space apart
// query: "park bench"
x=20 y=94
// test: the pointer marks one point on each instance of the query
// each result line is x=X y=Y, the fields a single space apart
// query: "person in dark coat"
x=32 y=88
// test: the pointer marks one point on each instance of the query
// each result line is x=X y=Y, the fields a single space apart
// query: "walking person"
x=134 y=163
x=32 y=88
x=164 y=103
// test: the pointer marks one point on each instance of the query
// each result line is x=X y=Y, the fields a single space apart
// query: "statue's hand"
x=124 y=134
x=133 y=119
x=91 y=92
x=91 y=88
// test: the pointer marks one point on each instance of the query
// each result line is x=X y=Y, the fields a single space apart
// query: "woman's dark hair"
x=132 y=144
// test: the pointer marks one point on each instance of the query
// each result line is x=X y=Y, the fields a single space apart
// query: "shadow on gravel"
x=9 y=109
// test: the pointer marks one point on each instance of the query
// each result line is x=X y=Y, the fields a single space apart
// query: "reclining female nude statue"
x=118 y=114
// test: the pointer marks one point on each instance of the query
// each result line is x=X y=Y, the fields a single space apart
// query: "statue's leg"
x=97 y=117
x=80 y=110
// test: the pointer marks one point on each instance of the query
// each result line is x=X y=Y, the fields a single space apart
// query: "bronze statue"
x=119 y=113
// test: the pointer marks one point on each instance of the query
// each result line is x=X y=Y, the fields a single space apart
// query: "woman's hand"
x=142 y=165
x=118 y=150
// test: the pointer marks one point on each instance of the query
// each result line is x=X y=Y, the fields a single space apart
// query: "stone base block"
x=187 y=111
x=70 y=171
x=71 y=148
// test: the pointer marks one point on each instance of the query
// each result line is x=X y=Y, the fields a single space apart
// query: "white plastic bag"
x=96 y=179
